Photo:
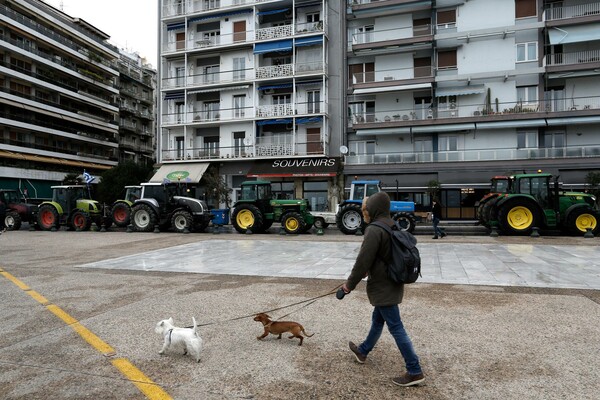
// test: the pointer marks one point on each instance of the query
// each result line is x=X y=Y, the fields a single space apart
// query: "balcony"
x=569 y=12
x=409 y=37
x=579 y=60
x=474 y=155
x=216 y=77
x=276 y=110
x=213 y=115
x=274 y=32
x=451 y=112
x=274 y=71
x=391 y=77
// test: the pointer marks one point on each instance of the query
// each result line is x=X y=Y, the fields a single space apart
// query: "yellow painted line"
x=143 y=383
x=14 y=280
x=150 y=389
x=38 y=297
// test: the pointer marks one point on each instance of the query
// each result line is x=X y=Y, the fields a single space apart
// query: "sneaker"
x=443 y=234
x=360 y=357
x=435 y=237
x=408 y=379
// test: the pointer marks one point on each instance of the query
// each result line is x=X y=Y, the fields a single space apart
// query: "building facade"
x=58 y=97
x=137 y=110
x=451 y=93
x=255 y=89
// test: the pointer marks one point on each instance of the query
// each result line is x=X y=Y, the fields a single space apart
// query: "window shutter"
x=446 y=17
x=447 y=59
x=525 y=8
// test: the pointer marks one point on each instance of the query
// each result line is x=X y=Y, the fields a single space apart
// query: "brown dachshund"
x=279 y=327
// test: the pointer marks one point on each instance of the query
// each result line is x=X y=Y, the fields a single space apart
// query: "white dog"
x=180 y=338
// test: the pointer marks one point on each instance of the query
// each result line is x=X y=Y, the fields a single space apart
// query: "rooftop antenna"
x=61 y=6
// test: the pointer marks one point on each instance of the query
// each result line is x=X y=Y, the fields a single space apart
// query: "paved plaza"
x=533 y=265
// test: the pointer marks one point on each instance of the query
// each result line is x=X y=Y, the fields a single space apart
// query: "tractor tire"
x=201 y=226
x=406 y=221
x=12 y=221
x=121 y=214
x=307 y=228
x=247 y=216
x=349 y=219
x=320 y=223
x=266 y=225
x=143 y=218
x=80 y=220
x=518 y=216
x=582 y=218
x=181 y=221
x=48 y=218
x=488 y=212
x=293 y=223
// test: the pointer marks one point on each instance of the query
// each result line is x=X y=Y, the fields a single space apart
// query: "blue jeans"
x=436 y=229
x=391 y=316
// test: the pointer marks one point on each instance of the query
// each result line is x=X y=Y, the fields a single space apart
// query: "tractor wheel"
x=406 y=221
x=349 y=219
x=293 y=223
x=181 y=221
x=582 y=218
x=518 y=216
x=266 y=226
x=143 y=218
x=48 y=218
x=307 y=228
x=12 y=221
x=247 y=216
x=201 y=226
x=80 y=220
x=488 y=212
x=320 y=223
x=121 y=214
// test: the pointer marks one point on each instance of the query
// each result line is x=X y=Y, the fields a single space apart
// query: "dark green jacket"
x=375 y=248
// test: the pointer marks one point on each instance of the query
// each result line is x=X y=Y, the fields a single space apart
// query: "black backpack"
x=405 y=266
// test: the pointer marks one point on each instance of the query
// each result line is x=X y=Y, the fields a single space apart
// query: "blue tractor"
x=349 y=218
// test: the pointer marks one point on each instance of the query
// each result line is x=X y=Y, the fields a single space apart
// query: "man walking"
x=436 y=214
x=384 y=294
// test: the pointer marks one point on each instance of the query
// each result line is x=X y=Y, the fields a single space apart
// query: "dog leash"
x=307 y=301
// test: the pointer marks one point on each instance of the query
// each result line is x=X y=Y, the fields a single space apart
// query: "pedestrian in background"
x=436 y=215
x=384 y=294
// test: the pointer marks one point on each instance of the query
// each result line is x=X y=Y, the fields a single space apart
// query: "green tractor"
x=500 y=184
x=535 y=200
x=257 y=210
x=121 y=209
x=72 y=206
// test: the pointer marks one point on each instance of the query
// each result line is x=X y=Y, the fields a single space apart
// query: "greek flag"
x=88 y=178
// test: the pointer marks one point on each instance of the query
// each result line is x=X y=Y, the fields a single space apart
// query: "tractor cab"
x=362 y=189
x=259 y=192
x=501 y=184
x=67 y=196
x=132 y=193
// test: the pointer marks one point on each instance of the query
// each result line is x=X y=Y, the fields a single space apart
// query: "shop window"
x=283 y=190
x=316 y=194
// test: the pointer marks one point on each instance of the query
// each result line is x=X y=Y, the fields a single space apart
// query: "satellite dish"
x=247 y=141
x=343 y=150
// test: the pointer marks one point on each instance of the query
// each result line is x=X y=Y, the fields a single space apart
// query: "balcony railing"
x=274 y=32
x=238 y=75
x=481 y=111
x=276 y=110
x=274 y=71
x=505 y=154
x=574 y=58
x=391 y=75
x=383 y=35
x=581 y=10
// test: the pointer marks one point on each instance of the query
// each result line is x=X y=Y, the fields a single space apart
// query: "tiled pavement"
x=552 y=266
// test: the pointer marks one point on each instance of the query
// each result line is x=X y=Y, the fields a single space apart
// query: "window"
x=525 y=8
x=211 y=109
x=239 y=68
x=179 y=146
x=281 y=99
x=364 y=34
x=360 y=73
x=362 y=147
x=313 y=17
x=179 y=112
x=556 y=142
x=447 y=59
x=239 y=105
x=179 y=76
x=446 y=19
x=316 y=193
x=211 y=145
x=211 y=73
x=283 y=190
x=313 y=101
x=447 y=143
x=361 y=112
x=527 y=94
x=527 y=140
x=527 y=52
x=238 y=144
x=424 y=145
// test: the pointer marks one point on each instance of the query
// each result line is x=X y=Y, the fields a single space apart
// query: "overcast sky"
x=131 y=24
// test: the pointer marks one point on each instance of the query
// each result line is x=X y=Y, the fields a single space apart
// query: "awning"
x=295 y=167
x=176 y=26
x=511 y=124
x=174 y=95
x=396 y=88
x=180 y=172
x=309 y=83
x=383 y=131
x=222 y=89
x=269 y=47
x=282 y=86
x=574 y=34
x=52 y=160
x=308 y=120
x=219 y=15
x=443 y=128
x=274 y=121
x=573 y=121
x=272 y=12
x=309 y=41
x=459 y=91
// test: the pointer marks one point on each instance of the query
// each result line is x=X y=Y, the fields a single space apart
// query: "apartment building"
x=137 y=109
x=58 y=97
x=255 y=88
x=455 y=92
